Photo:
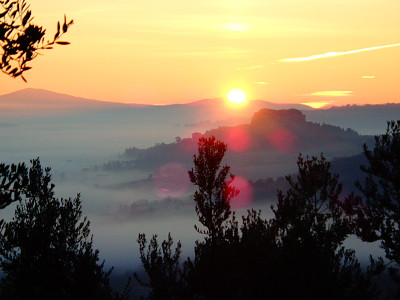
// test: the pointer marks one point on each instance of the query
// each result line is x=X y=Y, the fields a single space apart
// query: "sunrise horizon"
x=322 y=104
x=177 y=53
x=214 y=149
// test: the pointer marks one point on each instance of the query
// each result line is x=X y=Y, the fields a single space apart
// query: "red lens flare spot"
x=282 y=140
x=171 y=181
x=238 y=140
x=245 y=195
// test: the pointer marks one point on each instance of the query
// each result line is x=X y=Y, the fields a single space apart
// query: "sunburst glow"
x=236 y=96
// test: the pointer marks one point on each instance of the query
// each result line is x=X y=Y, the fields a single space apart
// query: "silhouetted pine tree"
x=203 y=276
x=376 y=215
x=214 y=191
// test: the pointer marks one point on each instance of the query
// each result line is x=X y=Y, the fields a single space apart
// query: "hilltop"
x=266 y=147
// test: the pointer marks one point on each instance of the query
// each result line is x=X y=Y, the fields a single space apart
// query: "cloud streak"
x=331 y=93
x=331 y=54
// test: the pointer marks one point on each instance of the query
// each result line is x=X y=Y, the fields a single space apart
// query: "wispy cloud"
x=331 y=93
x=368 y=77
x=261 y=82
x=250 y=67
x=331 y=54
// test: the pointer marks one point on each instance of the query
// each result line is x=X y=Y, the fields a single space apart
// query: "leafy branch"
x=21 y=40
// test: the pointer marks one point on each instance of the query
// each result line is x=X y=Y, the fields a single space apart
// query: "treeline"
x=281 y=133
x=46 y=250
x=297 y=254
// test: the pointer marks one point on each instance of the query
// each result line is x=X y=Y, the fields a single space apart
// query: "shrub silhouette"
x=46 y=249
x=11 y=177
x=376 y=215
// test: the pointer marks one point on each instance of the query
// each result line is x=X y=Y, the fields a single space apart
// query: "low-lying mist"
x=122 y=203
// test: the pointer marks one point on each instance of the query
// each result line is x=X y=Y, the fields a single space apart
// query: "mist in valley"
x=87 y=153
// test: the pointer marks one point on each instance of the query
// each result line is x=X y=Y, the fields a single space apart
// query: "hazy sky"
x=176 y=51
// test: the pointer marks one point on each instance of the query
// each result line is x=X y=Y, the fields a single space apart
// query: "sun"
x=236 y=96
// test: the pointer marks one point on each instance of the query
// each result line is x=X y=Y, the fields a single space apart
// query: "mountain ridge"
x=28 y=95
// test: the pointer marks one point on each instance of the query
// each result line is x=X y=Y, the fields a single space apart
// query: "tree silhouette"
x=311 y=227
x=201 y=275
x=298 y=254
x=214 y=190
x=46 y=249
x=21 y=40
x=162 y=267
x=377 y=214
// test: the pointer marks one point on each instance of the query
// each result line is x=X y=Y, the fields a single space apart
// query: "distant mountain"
x=43 y=99
x=43 y=103
x=366 y=119
x=38 y=101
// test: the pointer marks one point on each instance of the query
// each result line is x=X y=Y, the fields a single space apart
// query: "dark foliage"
x=161 y=264
x=377 y=214
x=310 y=228
x=46 y=249
x=20 y=39
x=214 y=190
x=11 y=181
x=298 y=254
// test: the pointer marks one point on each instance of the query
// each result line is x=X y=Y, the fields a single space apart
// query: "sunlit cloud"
x=261 y=82
x=317 y=104
x=250 y=68
x=331 y=54
x=331 y=93
x=368 y=77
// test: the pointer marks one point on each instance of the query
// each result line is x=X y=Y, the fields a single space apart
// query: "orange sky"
x=177 y=51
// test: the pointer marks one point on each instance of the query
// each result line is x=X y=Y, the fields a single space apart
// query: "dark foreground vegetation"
x=46 y=249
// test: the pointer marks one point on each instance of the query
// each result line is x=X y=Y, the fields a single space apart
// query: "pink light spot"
x=238 y=140
x=282 y=140
x=245 y=195
x=171 y=181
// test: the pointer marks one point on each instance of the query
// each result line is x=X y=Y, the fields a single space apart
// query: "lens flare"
x=238 y=139
x=245 y=195
x=171 y=181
